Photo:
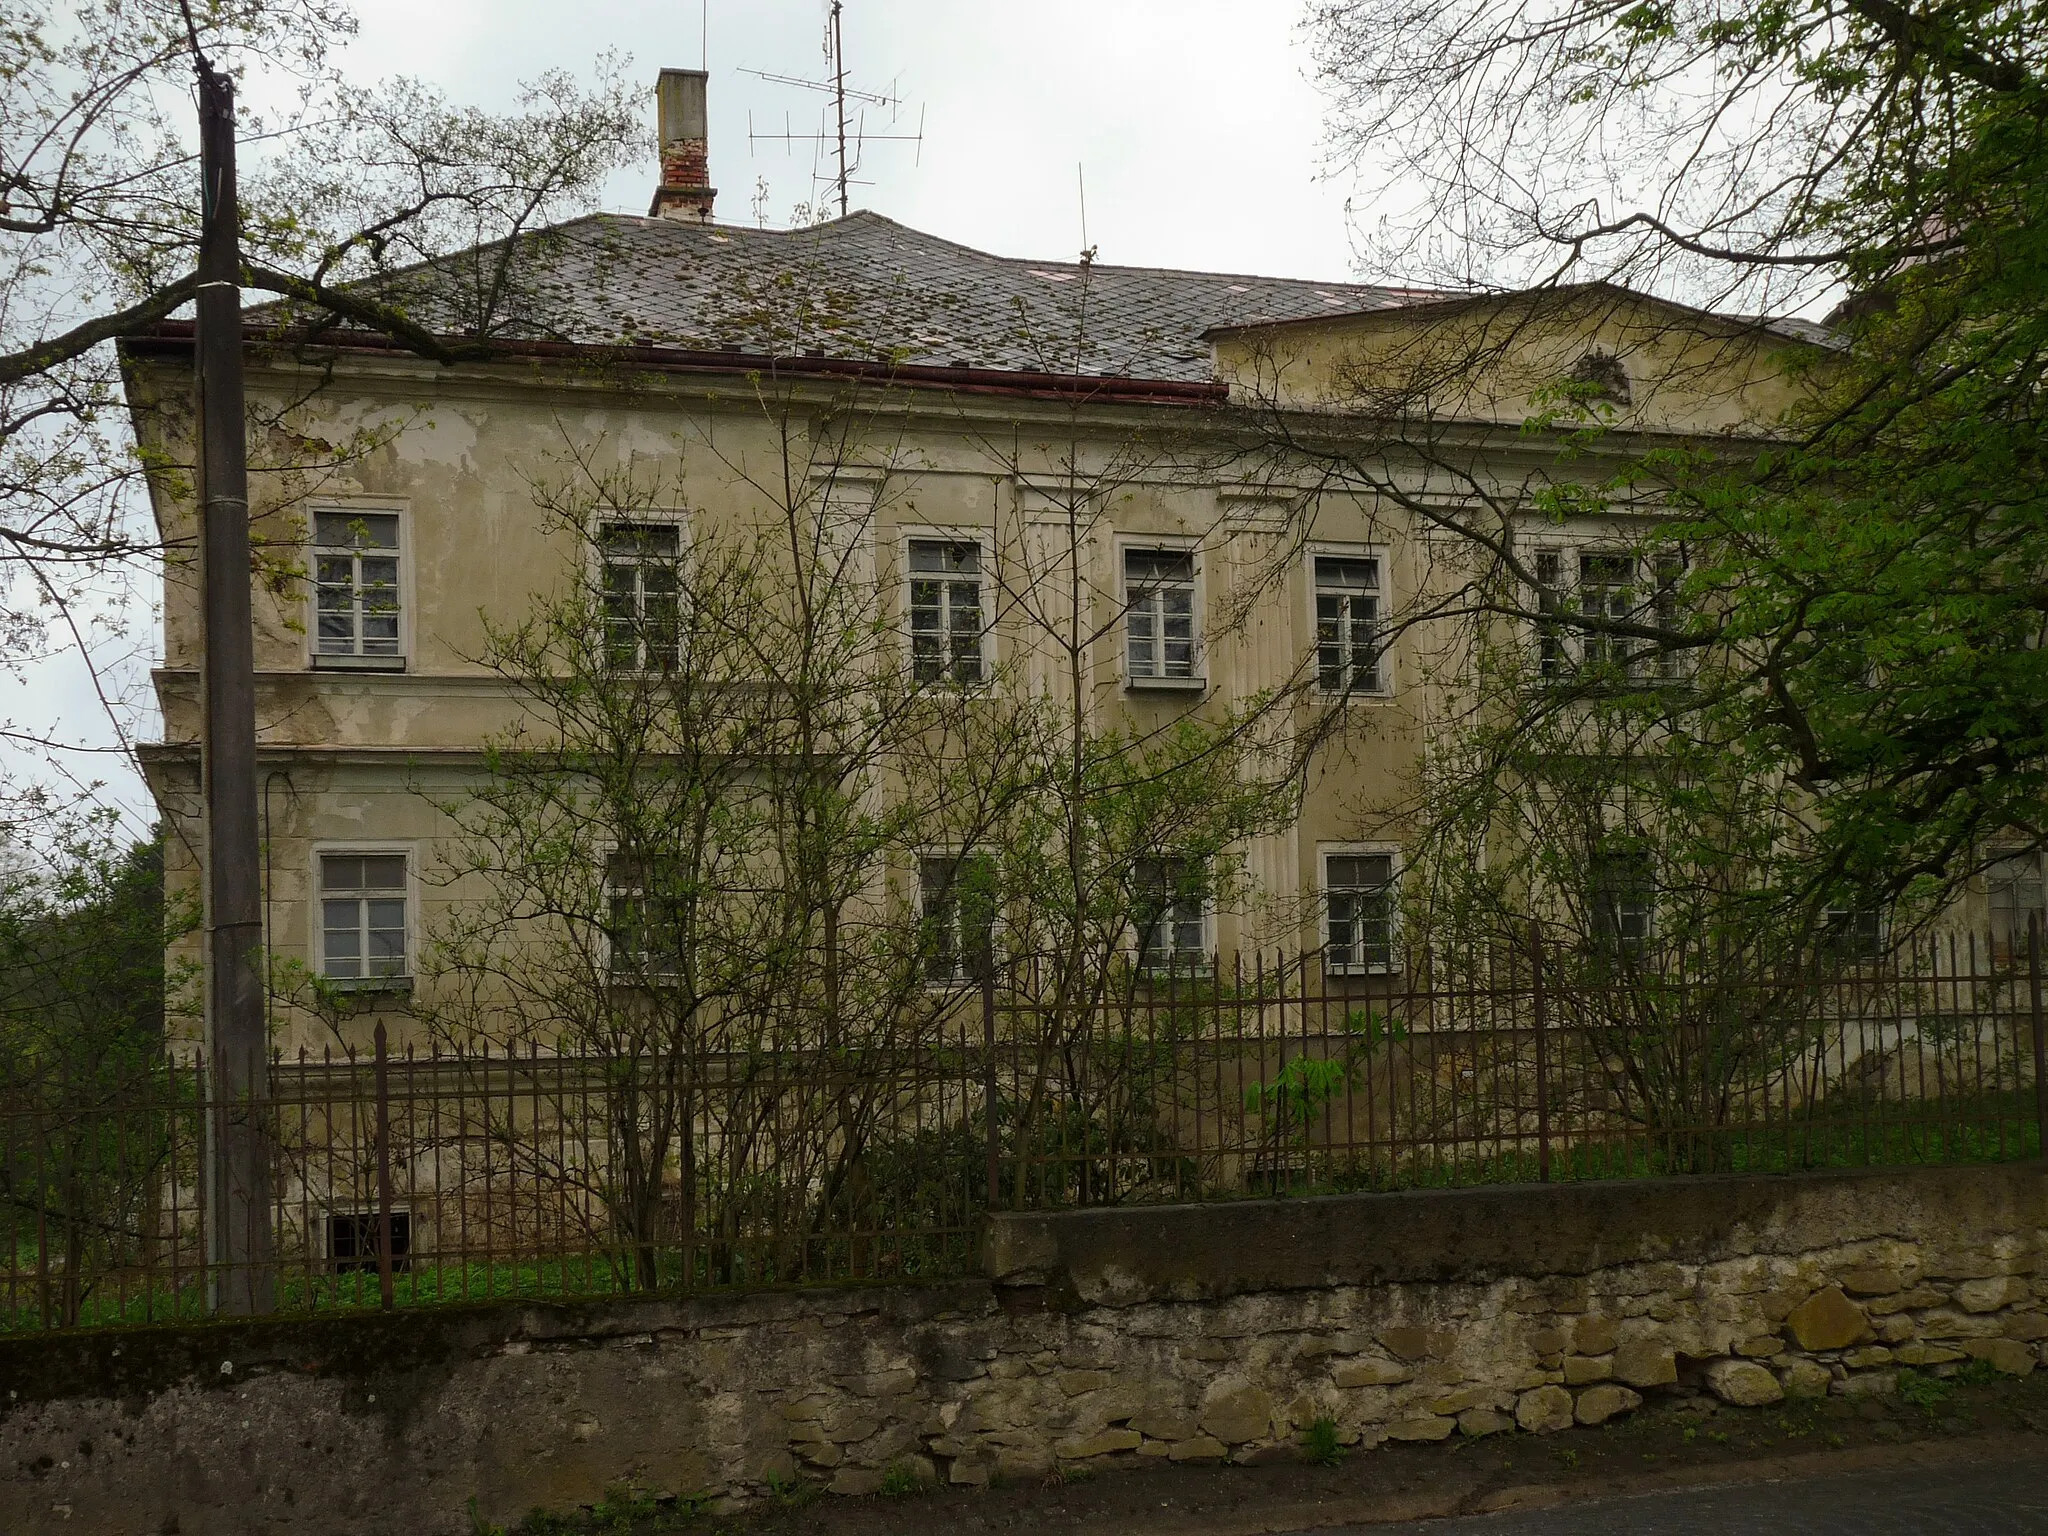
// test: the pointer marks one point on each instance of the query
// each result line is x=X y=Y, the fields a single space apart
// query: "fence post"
x=1542 y=1053
x=384 y=1290
x=2040 y=1036
x=992 y=1134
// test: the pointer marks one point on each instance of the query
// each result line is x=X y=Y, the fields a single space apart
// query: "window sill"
x=1166 y=684
x=1360 y=972
x=1161 y=975
x=326 y=663
x=370 y=984
x=1355 y=696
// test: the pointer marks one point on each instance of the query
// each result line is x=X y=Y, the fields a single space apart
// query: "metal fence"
x=403 y=1177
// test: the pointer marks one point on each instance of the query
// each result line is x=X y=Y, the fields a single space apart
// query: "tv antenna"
x=847 y=147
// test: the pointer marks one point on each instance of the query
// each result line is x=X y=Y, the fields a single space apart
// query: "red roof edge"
x=177 y=335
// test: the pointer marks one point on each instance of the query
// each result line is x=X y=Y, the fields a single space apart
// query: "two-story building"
x=1149 y=494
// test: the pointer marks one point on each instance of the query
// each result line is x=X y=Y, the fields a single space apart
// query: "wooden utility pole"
x=240 y=1242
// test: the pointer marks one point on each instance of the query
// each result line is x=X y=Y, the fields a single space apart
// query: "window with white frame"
x=355 y=585
x=363 y=916
x=2019 y=901
x=946 y=607
x=1172 y=914
x=1347 y=624
x=956 y=916
x=645 y=916
x=1159 y=615
x=1605 y=586
x=1358 y=899
x=1607 y=591
x=1622 y=897
x=641 y=565
x=1553 y=659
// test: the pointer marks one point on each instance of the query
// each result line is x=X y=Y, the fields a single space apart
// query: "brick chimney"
x=685 y=191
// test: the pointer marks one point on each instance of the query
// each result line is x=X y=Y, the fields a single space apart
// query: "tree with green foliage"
x=83 y=998
x=1863 y=602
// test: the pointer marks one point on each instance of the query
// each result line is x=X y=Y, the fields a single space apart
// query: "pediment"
x=1630 y=361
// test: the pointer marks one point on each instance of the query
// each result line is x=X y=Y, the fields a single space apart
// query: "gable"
x=1637 y=363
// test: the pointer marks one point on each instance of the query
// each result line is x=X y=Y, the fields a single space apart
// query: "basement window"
x=352 y=1241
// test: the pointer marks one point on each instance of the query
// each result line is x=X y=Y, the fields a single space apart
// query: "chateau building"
x=1170 y=455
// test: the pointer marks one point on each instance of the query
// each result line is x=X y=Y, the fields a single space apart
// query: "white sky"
x=1194 y=119
x=1194 y=122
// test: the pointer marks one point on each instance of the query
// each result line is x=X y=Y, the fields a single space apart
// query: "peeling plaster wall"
x=1189 y=1333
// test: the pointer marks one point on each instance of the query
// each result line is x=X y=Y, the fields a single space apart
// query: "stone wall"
x=1188 y=1333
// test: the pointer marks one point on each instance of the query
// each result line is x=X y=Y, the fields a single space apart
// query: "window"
x=1609 y=586
x=355 y=580
x=642 y=622
x=1347 y=624
x=362 y=916
x=945 y=611
x=646 y=918
x=1172 y=915
x=956 y=907
x=1358 y=892
x=1159 y=594
x=1606 y=591
x=2017 y=901
x=1623 y=897
x=1551 y=655
x=1664 y=612
x=352 y=1243
x=1852 y=933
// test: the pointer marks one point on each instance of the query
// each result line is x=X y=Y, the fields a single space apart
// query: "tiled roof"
x=865 y=287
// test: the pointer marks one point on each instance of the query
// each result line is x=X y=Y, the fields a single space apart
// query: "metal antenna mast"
x=845 y=141
x=839 y=99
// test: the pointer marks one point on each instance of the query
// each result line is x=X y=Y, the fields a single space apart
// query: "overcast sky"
x=1194 y=120
x=1193 y=123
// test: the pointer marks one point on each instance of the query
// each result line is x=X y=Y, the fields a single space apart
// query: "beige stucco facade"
x=361 y=757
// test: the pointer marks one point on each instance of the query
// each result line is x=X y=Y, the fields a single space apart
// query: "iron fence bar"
x=386 y=1300
x=1538 y=1022
x=2040 y=1035
x=992 y=1141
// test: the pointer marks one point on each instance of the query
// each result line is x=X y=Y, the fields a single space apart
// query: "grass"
x=1319 y=1445
x=1843 y=1133
x=623 y=1511
x=900 y=1480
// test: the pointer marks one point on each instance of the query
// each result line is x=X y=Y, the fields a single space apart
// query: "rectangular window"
x=1159 y=597
x=646 y=918
x=1347 y=624
x=1607 y=590
x=956 y=909
x=641 y=566
x=1551 y=657
x=945 y=611
x=1573 y=587
x=362 y=916
x=1358 y=890
x=2018 y=900
x=1665 y=613
x=1623 y=898
x=355 y=581
x=1852 y=933
x=352 y=1241
x=1171 y=916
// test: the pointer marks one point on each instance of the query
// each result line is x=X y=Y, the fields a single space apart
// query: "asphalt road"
x=2009 y=1498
